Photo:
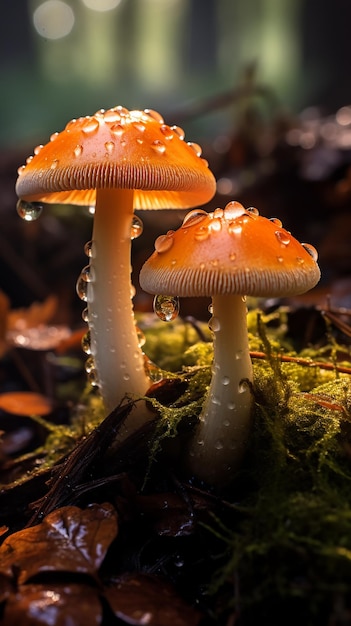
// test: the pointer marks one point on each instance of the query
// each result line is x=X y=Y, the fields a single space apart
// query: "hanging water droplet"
x=178 y=131
x=252 y=210
x=155 y=115
x=136 y=228
x=311 y=251
x=87 y=274
x=195 y=147
x=89 y=248
x=29 y=211
x=86 y=343
x=89 y=365
x=153 y=372
x=214 y=324
x=283 y=237
x=276 y=221
x=164 y=242
x=194 y=217
x=166 y=307
x=233 y=210
x=82 y=288
x=93 y=378
x=158 y=146
x=85 y=315
x=141 y=337
x=167 y=132
x=78 y=150
x=90 y=125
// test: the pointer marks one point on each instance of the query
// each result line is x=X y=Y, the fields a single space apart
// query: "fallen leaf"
x=48 y=605
x=25 y=403
x=69 y=539
x=142 y=599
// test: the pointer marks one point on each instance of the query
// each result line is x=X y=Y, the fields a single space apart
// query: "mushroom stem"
x=118 y=358
x=220 y=438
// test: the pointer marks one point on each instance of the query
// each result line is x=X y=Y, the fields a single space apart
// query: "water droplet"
x=86 y=343
x=89 y=248
x=214 y=324
x=231 y=406
x=226 y=423
x=78 y=150
x=154 y=372
x=90 y=125
x=311 y=251
x=53 y=136
x=167 y=132
x=166 y=307
x=233 y=210
x=54 y=164
x=82 y=288
x=93 y=378
x=71 y=124
x=132 y=292
x=216 y=400
x=219 y=445
x=276 y=221
x=122 y=111
x=300 y=260
x=141 y=337
x=118 y=130
x=194 y=217
x=29 y=159
x=239 y=354
x=252 y=210
x=37 y=149
x=154 y=115
x=243 y=386
x=283 y=237
x=109 y=145
x=112 y=116
x=87 y=274
x=280 y=259
x=195 y=147
x=89 y=365
x=136 y=228
x=140 y=126
x=202 y=233
x=232 y=256
x=29 y=211
x=178 y=131
x=85 y=315
x=235 y=228
x=164 y=242
x=210 y=308
x=225 y=380
x=215 y=225
x=158 y=146
x=21 y=169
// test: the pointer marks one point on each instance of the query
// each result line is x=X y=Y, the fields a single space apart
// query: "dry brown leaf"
x=141 y=599
x=69 y=539
x=48 y=605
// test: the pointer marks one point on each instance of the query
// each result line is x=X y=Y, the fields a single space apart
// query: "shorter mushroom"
x=227 y=255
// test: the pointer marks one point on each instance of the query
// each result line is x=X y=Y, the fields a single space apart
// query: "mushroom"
x=227 y=255
x=117 y=160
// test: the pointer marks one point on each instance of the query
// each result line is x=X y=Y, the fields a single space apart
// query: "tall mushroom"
x=228 y=254
x=117 y=160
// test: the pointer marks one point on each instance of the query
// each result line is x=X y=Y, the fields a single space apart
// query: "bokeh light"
x=53 y=19
x=101 y=5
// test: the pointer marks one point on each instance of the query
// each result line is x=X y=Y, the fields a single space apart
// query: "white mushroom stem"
x=220 y=438
x=118 y=358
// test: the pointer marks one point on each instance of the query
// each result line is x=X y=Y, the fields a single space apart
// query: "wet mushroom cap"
x=230 y=251
x=118 y=148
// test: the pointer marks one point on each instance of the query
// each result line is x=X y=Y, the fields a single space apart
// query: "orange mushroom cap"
x=118 y=148
x=230 y=251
